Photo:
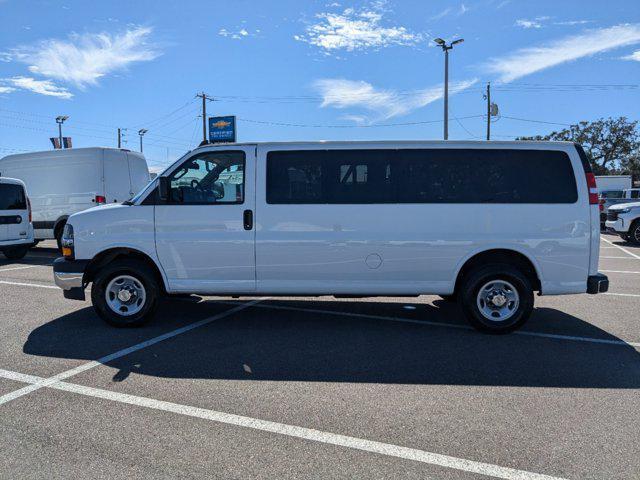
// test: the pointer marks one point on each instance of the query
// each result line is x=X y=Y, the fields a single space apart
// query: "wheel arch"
x=509 y=256
x=59 y=223
x=111 y=254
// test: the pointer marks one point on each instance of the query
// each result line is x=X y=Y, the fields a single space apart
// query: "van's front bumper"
x=597 y=283
x=69 y=276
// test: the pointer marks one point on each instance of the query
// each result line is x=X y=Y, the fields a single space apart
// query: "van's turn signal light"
x=67 y=252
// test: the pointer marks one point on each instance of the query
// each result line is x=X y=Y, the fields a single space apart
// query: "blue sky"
x=293 y=70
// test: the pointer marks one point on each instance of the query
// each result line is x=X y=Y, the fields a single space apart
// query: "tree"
x=612 y=144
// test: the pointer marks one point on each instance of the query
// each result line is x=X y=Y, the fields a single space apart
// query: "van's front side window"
x=210 y=178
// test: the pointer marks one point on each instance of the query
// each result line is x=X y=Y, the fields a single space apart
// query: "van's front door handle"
x=248 y=219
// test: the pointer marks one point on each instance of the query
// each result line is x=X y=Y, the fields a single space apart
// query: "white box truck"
x=64 y=182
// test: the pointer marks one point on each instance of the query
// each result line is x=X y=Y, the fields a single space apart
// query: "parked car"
x=463 y=220
x=613 y=182
x=16 y=230
x=63 y=182
x=607 y=199
x=624 y=219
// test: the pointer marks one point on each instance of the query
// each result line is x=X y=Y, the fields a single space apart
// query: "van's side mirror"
x=163 y=188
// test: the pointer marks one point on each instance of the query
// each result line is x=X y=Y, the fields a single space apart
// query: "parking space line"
x=121 y=353
x=388 y=449
x=448 y=325
x=23 y=267
x=621 y=294
x=619 y=271
x=623 y=249
x=22 y=284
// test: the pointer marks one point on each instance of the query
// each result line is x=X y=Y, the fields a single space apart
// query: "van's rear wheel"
x=496 y=298
x=125 y=293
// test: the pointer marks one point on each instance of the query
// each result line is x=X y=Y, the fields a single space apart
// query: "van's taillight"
x=29 y=209
x=100 y=199
x=593 y=189
x=601 y=202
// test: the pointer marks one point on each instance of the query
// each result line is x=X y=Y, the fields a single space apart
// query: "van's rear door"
x=117 y=184
x=14 y=216
x=138 y=172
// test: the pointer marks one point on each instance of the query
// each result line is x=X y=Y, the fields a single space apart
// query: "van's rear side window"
x=12 y=197
x=420 y=176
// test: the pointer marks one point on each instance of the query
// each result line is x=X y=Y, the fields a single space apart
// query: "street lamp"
x=60 y=120
x=445 y=49
x=141 y=132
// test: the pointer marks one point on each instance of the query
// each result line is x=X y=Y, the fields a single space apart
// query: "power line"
x=379 y=125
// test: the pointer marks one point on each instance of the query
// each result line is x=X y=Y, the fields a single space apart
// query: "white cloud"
x=535 y=23
x=342 y=93
x=237 y=34
x=42 y=87
x=634 y=56
x=442 y=14
x=5 y=89
x=573 y=22
x=530 y=60
x=83 y=59
x=356 y=30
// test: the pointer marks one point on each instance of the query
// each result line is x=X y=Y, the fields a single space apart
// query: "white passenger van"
x=63 y=182
x=16 y=231
x=486 y=224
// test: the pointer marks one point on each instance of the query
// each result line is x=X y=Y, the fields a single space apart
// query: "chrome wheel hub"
x=125 y=295
x=498 y=300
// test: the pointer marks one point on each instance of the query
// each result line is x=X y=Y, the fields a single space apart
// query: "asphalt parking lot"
x=319 y=388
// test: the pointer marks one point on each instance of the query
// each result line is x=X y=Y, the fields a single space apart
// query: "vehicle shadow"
x=284 y=340
x=36 y=256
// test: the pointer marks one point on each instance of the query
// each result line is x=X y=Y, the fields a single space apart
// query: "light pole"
x=60 y=120
x=445 y=49
x=141 y=132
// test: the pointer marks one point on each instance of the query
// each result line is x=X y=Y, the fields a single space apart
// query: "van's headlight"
x=67 y=242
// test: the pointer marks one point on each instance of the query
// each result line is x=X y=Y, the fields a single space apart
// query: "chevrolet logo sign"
x=221 y=124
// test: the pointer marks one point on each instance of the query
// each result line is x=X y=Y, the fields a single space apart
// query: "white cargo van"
x=16 y=231
x=486 y=224
x=63 y=182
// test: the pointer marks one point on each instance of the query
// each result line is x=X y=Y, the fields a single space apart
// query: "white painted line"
x=120 y=353
x=621 y=294
x=527 y=333
x=22 y=284
x=619 y=271
x=304 y=433
x=623 y=249
x=24 y=267
x=622 y=258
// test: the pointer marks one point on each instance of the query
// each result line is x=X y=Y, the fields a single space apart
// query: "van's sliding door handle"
x=248 y=219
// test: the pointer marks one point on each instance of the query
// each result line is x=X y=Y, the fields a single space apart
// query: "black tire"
x=633 y=235
x=143 y=275
x=15 y=253
x=58 y=234
x=478 y=278
x=35 y=243
x=453 y=298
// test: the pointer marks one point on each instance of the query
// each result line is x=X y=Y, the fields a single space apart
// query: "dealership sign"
x=222 y=129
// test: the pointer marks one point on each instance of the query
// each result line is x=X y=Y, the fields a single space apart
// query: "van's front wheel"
x=497 y=298
x=125 y=293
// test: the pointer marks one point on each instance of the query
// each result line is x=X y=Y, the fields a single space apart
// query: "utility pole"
x=204 y=114
x=121 y=133
x=488 y=111
x=445 y=49
x=141 y=132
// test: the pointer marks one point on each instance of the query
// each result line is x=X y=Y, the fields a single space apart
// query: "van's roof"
x=449 y=143
x=67 y=151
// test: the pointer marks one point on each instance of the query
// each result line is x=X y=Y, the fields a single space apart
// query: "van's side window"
x=210 y=178
x=420 y=176
x=12 y=197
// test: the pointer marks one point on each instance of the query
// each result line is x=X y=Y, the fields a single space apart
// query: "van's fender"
x=61 y=220
x=499 y=246
x=114 y=247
